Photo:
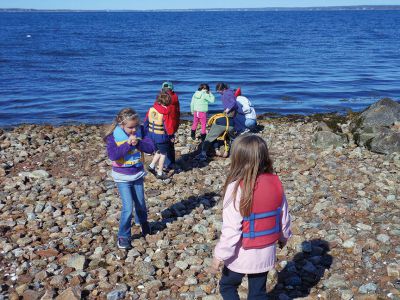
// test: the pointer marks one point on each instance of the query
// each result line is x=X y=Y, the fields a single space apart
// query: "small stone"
x=335 y=281
x=70 y=294
x=200 y=229
x=76 y=261
x=118 y=293
x=367 y=288
x=191 y=280
x=346 y=295
x=393 y=270
x=181 y=265
x=349 y=243
x=384 y=238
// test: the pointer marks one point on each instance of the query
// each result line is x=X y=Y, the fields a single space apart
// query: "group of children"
x=255 y=210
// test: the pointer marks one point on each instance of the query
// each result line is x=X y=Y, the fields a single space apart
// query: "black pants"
x=170 y=157
x=230 y=282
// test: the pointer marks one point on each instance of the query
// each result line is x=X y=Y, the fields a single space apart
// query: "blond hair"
x=124 y=115
x=249 y=159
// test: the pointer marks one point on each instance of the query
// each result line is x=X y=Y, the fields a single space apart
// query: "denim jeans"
x=132 y=195
x=230 y=282
x=250 y=123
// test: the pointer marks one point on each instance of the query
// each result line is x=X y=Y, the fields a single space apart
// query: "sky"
x=180 y=4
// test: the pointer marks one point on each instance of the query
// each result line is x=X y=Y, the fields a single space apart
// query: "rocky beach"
x=59 y=213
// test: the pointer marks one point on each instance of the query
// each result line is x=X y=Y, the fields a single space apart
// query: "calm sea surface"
x=83 y=67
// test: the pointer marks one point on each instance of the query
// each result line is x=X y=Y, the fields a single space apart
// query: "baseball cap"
x=168 y=84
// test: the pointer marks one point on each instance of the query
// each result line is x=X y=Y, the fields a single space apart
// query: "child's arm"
x=114 y=151
x=285 y=221
x=145 y=144
x=231 y=227
x=209 y=97
x=192 y=105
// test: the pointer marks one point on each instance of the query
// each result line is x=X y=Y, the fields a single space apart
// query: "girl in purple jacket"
x=125 y=141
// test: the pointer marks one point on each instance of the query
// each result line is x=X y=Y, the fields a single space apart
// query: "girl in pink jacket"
x=255 y=218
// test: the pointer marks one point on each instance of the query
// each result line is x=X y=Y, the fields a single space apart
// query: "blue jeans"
x=250 y=123
x=230 y=282
x=132 y=194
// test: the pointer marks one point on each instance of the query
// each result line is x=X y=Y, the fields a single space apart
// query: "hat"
x=238 y=92
x=167 y=84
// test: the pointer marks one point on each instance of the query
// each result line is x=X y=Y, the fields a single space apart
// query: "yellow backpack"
x=224 y=136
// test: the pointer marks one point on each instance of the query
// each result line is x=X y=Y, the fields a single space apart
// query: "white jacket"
x=247 y=107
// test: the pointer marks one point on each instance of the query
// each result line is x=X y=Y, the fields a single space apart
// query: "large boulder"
x=325 y=139
x=377 y=127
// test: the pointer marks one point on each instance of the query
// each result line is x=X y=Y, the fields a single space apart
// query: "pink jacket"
x=229 y=248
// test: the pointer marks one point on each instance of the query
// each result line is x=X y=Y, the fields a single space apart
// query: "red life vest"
x=263 y=226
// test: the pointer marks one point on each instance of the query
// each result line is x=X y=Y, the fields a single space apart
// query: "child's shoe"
x=203 y=137
x=193 y=135
x=152 y=170
x=124 y=243
x=163 y=176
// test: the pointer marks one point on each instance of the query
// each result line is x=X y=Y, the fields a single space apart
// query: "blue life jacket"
x=133 y=157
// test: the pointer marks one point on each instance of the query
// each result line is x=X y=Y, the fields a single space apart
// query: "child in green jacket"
x=199 y=108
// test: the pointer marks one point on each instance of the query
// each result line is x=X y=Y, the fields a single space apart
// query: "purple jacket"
x=116 y=152
x=229 y=100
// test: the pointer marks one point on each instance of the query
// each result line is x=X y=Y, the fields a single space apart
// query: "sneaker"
x=124 y=243
x=152 y=170
x=193 y=134
x=245 y=131
x=163 y=176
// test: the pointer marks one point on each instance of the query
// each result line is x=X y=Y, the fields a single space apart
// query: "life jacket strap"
x=253 y=234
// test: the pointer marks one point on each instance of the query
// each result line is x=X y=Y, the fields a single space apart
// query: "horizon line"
x=211 y=9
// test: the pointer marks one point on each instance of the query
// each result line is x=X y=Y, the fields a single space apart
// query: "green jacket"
x=200 y=101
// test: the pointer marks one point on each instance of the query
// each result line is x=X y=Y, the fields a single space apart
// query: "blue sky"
x=179 y=4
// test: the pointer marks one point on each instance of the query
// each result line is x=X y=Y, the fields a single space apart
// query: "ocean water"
x=82 y=67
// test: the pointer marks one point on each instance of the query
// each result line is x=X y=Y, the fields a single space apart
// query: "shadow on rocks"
x=303 y=272
x=189 y=161
x=183 y=208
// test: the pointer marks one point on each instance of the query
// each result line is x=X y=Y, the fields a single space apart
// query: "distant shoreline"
x=323 y=8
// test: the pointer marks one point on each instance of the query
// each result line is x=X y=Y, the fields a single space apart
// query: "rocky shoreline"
x=59 y=218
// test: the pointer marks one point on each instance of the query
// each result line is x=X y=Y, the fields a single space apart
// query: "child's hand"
x=214 y=269
x=173 y=140
x=133 y=140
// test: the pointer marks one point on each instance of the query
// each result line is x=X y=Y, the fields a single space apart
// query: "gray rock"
x=386 y=142
x=118 y=293
x=191 y=280
x=335 y=281
x=373 y=127
x=181 y=265
x=385 y=112
x=76 y=261
x=384 y=238
x=143 y=268
x=325 y=139
x=200 y=229
x=368 y=288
